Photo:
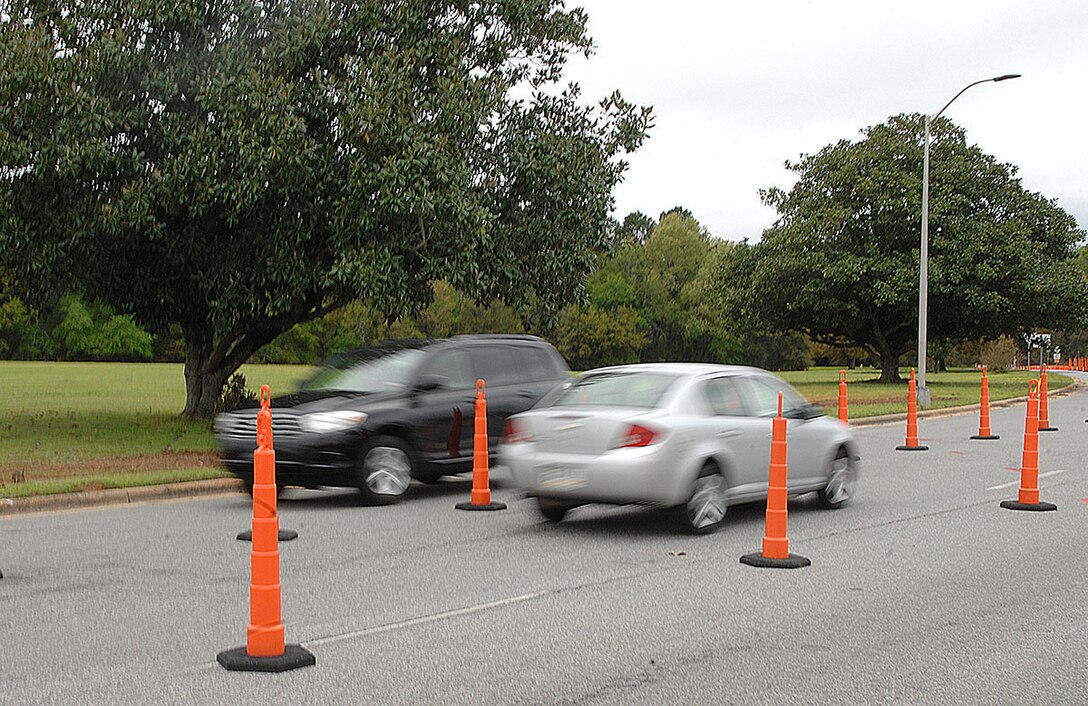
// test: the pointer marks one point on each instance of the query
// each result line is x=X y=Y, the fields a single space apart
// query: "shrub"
x=999 y=354
x=20 y=336
x=592 y=337
x=787 y=351
x=235 y=395
x=92 y=331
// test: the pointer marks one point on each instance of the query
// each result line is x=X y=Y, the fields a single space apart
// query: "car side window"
x=724 y=398
x=498 y=365
x=454 y=365
x=762 y=397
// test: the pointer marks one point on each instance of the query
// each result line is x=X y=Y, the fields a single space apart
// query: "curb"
x=118 y=496
x=1076 y=386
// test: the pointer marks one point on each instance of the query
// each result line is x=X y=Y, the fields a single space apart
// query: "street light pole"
x=923 y=268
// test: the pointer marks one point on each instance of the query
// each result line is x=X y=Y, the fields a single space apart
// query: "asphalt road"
x=924 y=591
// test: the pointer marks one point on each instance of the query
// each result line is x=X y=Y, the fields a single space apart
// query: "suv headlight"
x=324 y=422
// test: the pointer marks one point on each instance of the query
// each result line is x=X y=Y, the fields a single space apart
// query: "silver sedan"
x=696 y=437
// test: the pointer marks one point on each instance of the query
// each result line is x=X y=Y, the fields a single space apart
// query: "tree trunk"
x=203 y=384
x=209 y=362
x=211 y=357
x=889 y=366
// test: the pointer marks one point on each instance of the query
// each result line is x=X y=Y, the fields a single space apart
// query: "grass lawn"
x=92 y=425
x=867 y=397
x=73 y=426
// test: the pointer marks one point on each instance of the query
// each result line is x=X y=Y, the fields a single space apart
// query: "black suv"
x=376 y=418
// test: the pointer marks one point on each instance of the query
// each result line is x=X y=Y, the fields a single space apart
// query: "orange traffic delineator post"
x=776 y=546
x=912 y=418
x=481 y=489
x=265 y=650
x=1029 y=469
x=984 y=411
x=844 y=405
x=1044 y=406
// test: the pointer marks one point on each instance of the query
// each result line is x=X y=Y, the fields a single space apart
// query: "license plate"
x=557 y=477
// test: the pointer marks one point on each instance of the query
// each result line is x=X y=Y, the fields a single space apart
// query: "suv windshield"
x=389 y=371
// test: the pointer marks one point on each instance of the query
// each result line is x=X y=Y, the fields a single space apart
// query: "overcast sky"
x=739 y=88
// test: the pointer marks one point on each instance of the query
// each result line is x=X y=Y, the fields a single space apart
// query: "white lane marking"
x=1016 y=482
x=395 y=626
x=424 y=619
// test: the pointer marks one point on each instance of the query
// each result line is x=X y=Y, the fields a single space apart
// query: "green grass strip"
x=76 y=484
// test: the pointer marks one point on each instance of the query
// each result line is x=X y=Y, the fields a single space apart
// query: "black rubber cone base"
x=1030 y=507
x=490 y=506
x=1048 y=428
x=293 y=657
x=284 y=535
x=912 y=448
x=986 y=438
x=795 y=561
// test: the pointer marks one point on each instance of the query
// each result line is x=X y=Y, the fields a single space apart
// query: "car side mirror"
x=429 y=382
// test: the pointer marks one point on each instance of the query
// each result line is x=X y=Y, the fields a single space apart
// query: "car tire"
x=842 y=478
x=385 y=470
x=553 y=510
x=705 y=510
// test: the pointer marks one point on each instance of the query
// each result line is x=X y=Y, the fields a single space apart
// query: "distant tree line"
x=648 y=299
x=665 y=290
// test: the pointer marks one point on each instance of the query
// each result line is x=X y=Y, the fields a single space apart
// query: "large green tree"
x=665 y=279
x=236 y=167
x=841 y=261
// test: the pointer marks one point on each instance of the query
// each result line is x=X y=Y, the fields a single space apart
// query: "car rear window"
x=634 y=389
x=540 y=364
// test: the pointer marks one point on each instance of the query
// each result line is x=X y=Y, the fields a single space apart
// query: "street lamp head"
x=1006 y=77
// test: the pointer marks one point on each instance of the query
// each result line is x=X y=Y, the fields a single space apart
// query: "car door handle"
x=728 y=433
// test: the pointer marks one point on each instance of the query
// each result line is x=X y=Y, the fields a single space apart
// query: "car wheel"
x=842 y=478
x=553 y=510
x=385 y=470
x=706 y=508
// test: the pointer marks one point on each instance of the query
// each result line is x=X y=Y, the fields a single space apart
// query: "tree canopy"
x=240 y=166
x=841 y=261
x=655 y=298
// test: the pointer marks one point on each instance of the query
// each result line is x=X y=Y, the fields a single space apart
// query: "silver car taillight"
x=636 y=437
x=515 y=432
